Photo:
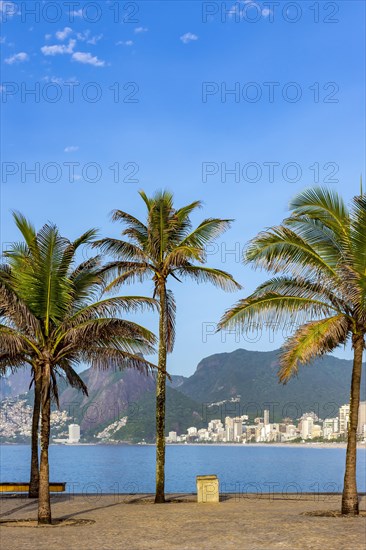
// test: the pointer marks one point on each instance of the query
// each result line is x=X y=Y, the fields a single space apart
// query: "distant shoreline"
x=285 y=445
x=252 y=445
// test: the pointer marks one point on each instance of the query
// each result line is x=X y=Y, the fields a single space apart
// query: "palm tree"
x=164 y=247
x=318 y=258
x=22 y=258
x=33 y=491
x=53 y=318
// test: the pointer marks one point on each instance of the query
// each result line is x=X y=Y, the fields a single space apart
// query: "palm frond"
x=303 y=288
x=200 y=274
x=28 y=232
x=110 y=307
x=72 y=377
x=131 y=221
x=358 y=237
x=312 y=340
x=121 y=271
x=181 y=254
x=103 y=330
x=322 y=239
x=325 y=205
x=170 y=315
x=274 y=310
x=184 y=212
x=282 y=250
x=109 y=358
x=122 y=250
x=207 y=231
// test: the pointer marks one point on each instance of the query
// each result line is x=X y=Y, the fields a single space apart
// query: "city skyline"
x=309 y=427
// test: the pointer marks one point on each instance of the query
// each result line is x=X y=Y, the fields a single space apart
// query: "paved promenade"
x=119 y=522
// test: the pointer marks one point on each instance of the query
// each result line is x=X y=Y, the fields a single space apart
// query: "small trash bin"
x=207 y=489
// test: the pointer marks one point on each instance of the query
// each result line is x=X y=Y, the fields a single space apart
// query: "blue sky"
x=151 y=88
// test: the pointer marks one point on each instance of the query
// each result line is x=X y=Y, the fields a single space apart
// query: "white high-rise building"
x=307 y=427
x=229 y=428
x=74 y=433
x=361 y=428
x=330 y=428
x=343 y=419
x=237 y=428
x=172 y=437
x=266 y=417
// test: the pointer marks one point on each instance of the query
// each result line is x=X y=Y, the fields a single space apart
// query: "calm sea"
x=241 y=469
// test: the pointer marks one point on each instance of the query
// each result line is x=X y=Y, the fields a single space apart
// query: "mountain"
x=16 y=384
x=131 y=394
x=176 y=381
x=321 y=387
x=121 y=404
x=181 y=413
x=111 y=394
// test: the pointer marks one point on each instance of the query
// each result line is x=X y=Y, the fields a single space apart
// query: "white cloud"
x=81 y=57
x=124 y=43
x=88 y=59
x=2 y=39
x=188 y=37
x=59 y=48
x=61 y=35
x=47 y=36
x=77 y=13
x=94 y=39
x=59 y=80
x=71 y=148
x=17 y=58
x=141 y=29
x=83 y=35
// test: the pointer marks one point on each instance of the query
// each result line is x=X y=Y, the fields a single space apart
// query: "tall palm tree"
x=162 y=247
x=33 y=491
x=318 y=257
x=22 y=258
x=52 y=317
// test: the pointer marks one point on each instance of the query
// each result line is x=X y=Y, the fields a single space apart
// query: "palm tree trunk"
x=34 y=475
x=160 y=401
x=350 y=496
x=44 y=505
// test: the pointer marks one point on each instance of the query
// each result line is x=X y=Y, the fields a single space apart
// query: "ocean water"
x=89 y=469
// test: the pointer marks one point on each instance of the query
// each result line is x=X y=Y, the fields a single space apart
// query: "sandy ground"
x=134 y=523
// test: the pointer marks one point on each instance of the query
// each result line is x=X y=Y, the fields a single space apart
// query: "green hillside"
x=181 y=413
x=321 y=387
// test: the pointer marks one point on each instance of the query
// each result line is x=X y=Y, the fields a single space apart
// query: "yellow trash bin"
x=207 y=489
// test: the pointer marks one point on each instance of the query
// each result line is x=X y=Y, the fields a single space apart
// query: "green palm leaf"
x=310 y=341
x=319 y=252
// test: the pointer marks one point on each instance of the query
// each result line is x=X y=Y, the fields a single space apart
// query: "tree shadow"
x=29 y=504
